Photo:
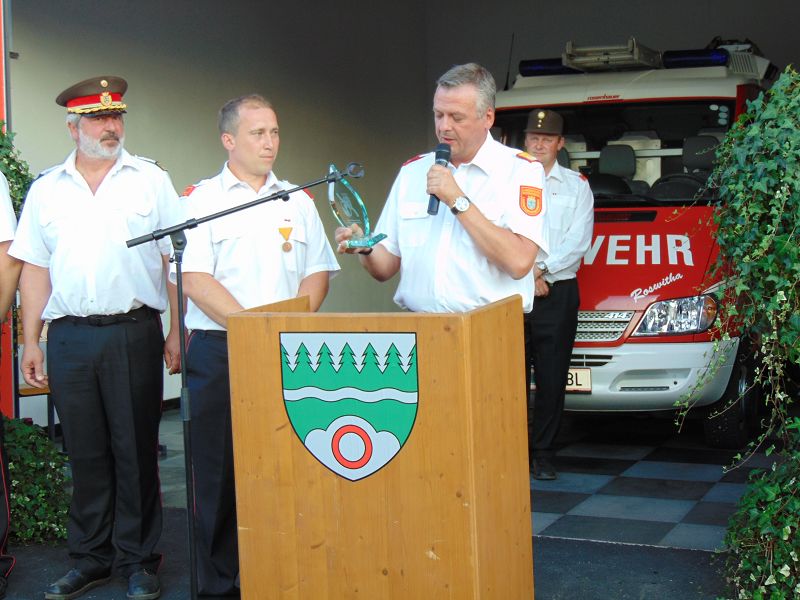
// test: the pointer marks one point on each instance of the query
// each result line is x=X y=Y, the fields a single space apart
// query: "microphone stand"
x=178 y=238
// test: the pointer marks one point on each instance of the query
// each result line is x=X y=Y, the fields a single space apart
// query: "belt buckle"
x=95 y=320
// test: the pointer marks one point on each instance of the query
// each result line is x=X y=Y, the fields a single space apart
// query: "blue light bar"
x=544 y=66
x=677 y=59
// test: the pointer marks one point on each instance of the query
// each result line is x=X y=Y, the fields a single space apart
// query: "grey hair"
x=228 y=118
x=73 y=118
x=472 y=74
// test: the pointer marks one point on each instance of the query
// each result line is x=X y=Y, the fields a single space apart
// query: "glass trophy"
x=349 y=209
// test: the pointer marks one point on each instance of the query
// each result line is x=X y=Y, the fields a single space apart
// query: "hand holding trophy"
x=350 y=212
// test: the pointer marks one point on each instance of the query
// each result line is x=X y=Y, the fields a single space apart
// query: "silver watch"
x=460 y=205
x=542 y=266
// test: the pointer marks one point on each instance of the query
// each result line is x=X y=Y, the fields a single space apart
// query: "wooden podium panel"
x=447 y=517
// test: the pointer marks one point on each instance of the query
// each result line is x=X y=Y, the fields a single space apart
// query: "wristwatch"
x=542 y=266
x=460 y=205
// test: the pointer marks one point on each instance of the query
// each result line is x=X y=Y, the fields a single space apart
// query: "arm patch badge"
x=530 y=200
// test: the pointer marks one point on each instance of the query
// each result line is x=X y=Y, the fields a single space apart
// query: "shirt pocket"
x=64 y=225
x=294 y=249
x=414 y=224
x=561 y=211
x=138 y=216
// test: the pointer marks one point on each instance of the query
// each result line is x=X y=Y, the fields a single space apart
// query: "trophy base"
x=365 y=242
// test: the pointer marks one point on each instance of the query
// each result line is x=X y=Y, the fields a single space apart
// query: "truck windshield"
x=655 y=132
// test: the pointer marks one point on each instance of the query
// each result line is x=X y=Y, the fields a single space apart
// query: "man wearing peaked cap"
x=105 y=342
x=546 y=122
x=96 y=96
x=551 y=326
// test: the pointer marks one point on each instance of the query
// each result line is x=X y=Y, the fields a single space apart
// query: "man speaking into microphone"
x=482 y=244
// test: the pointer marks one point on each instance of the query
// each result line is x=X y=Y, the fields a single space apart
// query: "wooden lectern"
x=447 y=515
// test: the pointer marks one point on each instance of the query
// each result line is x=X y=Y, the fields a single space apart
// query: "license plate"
x=579 y=381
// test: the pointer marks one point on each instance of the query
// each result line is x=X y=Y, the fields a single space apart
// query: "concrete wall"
x=348 y=84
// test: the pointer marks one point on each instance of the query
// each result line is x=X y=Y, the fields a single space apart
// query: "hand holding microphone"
x=442 y=158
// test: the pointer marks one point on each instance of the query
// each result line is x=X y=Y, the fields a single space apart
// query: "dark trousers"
x=6 y=560
x=107 y=386
x=549 y=335
x=212 y=463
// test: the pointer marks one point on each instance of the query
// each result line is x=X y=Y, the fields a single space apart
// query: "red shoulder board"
x=582 y=176
x=309 y=195
x=410 y=160
x=528 y=157
x=188 y=191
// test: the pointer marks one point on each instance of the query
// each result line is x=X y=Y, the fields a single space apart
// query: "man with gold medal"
x=267 y=253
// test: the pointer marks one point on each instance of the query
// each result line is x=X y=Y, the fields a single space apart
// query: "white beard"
x=93 y=148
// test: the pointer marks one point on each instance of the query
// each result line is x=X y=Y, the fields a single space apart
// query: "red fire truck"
x=643 y=126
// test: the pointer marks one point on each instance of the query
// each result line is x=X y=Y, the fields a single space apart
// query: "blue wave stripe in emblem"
x=349 y=392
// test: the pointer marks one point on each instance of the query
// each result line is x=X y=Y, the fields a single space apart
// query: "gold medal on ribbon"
x=286 y=232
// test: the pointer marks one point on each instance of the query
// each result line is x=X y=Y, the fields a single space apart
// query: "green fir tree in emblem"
x=394 y=375
x=347 y=364
x=371 y=376
x=325 y=377
x=302 y=373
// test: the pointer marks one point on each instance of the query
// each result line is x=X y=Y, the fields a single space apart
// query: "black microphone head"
x=354 y=170
x=443 y=152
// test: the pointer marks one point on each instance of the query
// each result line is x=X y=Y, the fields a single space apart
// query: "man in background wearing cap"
x=267 y=253
x=9 y=274
x=105 y=340
x=550 y=327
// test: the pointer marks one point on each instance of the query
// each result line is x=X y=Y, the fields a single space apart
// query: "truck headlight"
x=681 y=315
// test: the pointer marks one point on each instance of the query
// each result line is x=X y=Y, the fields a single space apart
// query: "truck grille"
x=589 y=360
x=601 y=325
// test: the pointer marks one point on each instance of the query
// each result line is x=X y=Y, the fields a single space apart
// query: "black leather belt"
x=210 y=333
x=137 y=314
x=562 y=281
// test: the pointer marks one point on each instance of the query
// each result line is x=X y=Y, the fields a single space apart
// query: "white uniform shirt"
x=260 y=254
x=8 y=220
x=80 y=237
x=569 y=221
x=441 y=268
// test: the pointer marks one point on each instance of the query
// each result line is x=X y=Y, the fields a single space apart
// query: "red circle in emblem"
x=337 y=453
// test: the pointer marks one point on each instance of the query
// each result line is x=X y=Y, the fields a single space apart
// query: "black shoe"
x=74 y=584
x=143 y=585
x=543 y=469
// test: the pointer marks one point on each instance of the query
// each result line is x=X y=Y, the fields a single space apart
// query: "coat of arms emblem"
x=351 y=397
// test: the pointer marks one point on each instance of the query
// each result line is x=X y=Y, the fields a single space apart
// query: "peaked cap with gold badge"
x=95 y=96
x=542 y=120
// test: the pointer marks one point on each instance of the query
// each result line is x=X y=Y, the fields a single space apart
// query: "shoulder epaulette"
x=584 y=177
x=191 y=188
x=309 y=194
x=528 y=157
x=46 y=171
x=150 y=160
x=412 y=159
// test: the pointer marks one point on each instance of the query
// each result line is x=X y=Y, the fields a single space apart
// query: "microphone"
x=442 y=158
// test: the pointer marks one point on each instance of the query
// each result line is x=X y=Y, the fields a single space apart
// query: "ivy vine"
x=758 y=178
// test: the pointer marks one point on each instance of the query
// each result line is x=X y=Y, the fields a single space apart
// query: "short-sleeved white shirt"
x=80 y=237
x=441 y=268
x=260 y=254
x=570 y=220
x=8 y=220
